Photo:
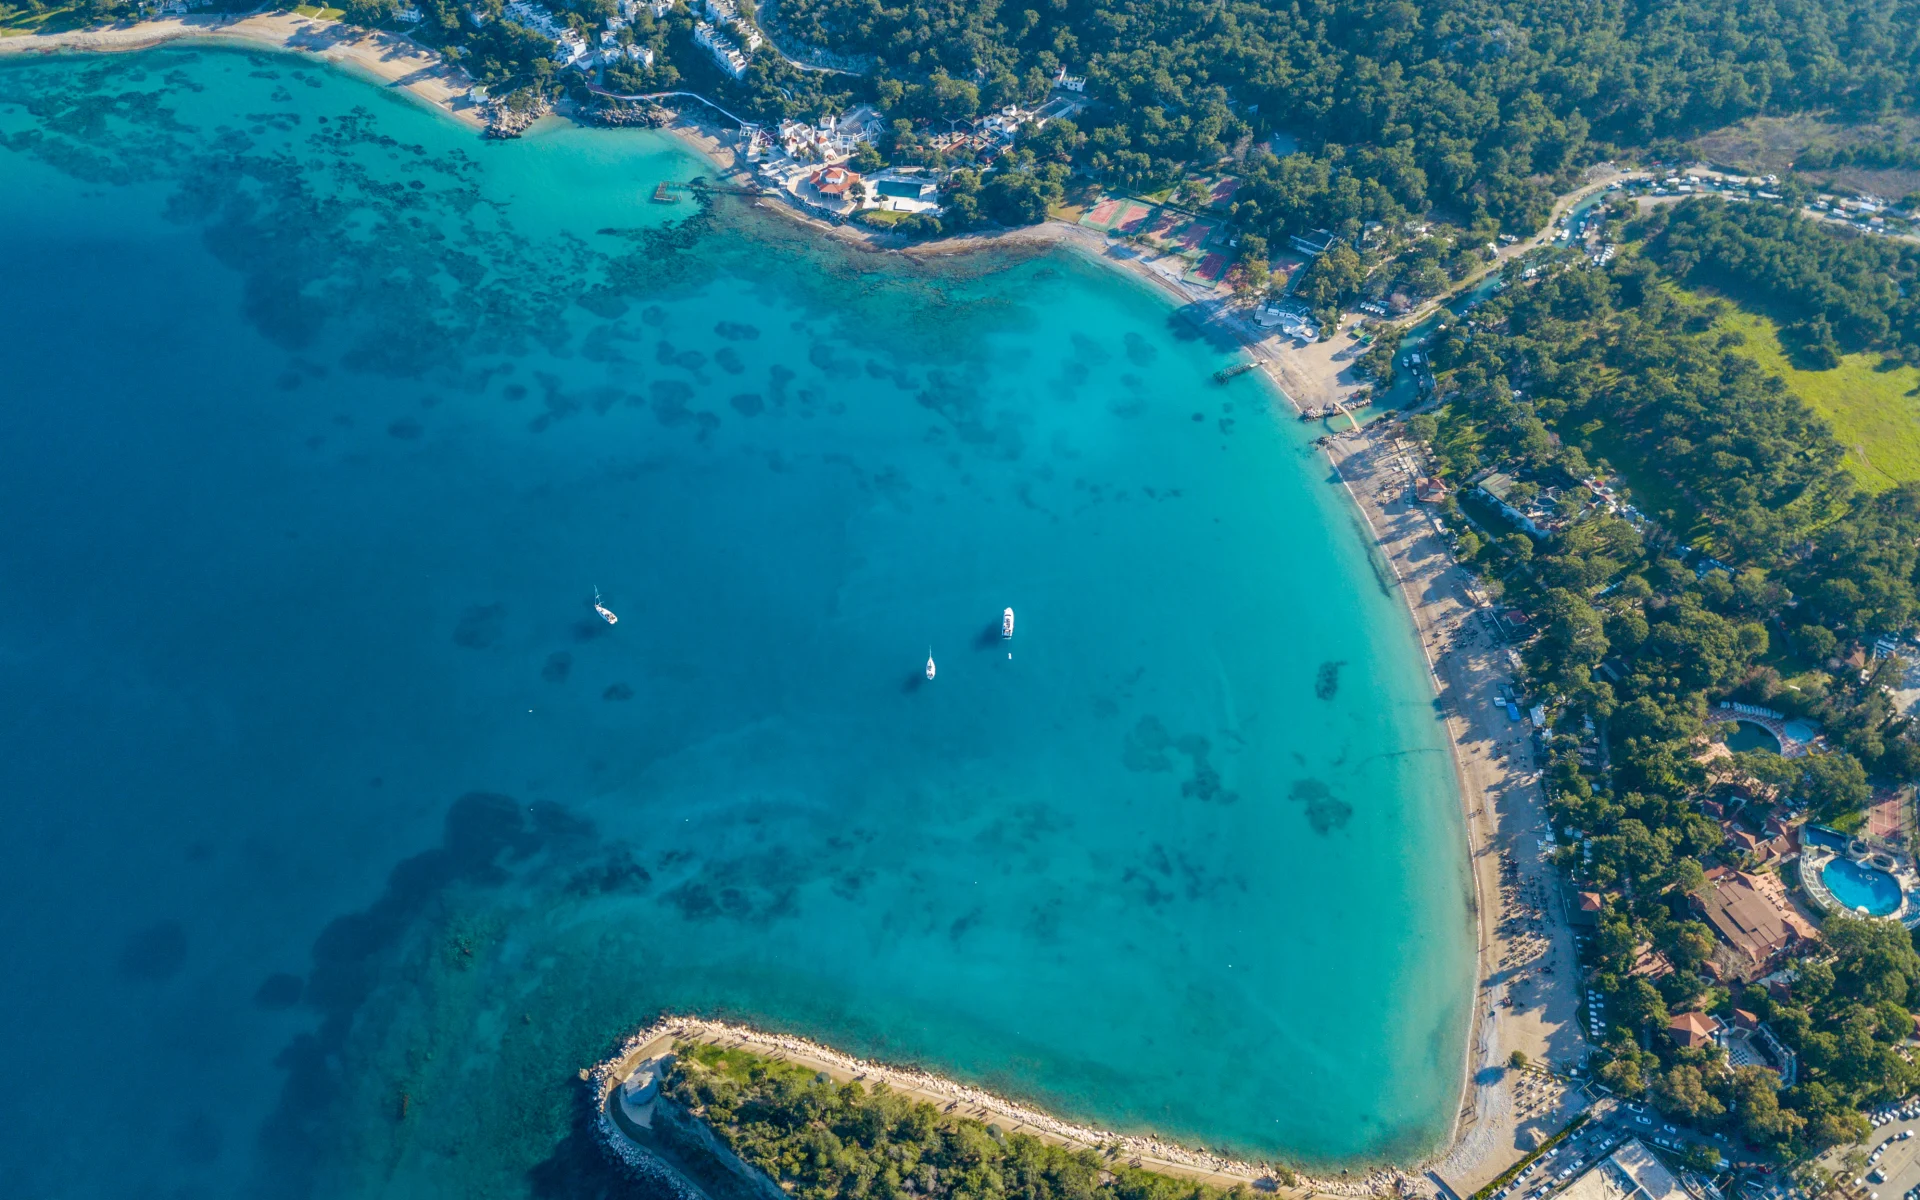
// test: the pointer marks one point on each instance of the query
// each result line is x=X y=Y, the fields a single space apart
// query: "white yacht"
x=929 y=662
x=1006 y=624
x=606 y=614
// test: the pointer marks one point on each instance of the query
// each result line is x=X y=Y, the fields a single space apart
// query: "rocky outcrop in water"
x=627 y=113
x=504 y=122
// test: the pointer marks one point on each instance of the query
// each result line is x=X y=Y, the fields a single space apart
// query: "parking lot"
x=1887 y=1165
x=1610 y=1124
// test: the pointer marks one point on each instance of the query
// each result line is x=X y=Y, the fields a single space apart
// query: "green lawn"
x=322 y=14
x=15 y=22
x=1874 y=412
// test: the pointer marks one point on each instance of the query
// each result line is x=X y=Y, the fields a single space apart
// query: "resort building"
x=569 y=48
x=725 y=53
x=533 y=17
x=837 y=189
x=1313 y=244
x=1754 y=918
x=727 y=13
x=1694 y=1029
x=611 y=51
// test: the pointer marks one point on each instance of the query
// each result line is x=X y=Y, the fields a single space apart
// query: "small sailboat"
x=606 y=614
x=1006 y=624
x=929 y=662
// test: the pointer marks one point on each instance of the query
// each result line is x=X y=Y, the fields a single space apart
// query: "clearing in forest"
x=1873 y=406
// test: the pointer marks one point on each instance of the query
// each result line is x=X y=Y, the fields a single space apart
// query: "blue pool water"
x=1861 y=887
x=342 y=834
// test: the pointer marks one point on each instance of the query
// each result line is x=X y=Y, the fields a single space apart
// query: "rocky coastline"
x=1152 y=1153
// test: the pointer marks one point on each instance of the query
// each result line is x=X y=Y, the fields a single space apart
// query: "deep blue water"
x=343 y=834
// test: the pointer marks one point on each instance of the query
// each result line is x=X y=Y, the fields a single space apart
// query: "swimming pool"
x=1749 y=736
x=1859 y=887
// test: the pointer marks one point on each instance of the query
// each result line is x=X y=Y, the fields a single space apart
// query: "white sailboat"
x=929 y=662
x=606 y=614
x=1006 y=624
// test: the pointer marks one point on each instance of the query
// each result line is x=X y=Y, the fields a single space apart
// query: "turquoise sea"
x=341 y=834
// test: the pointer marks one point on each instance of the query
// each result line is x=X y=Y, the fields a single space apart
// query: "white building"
x=538 y=19
x=724 y=52
x=569 y=48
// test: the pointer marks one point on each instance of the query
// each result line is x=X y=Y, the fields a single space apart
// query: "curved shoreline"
x=1144 y=1150
x=1365 y=460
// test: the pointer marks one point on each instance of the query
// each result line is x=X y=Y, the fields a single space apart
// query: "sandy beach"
x=390 y=58
x=1526 y=954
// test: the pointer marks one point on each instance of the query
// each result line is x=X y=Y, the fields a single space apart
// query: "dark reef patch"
x=617 y=691
x=406 y=429
x=198 y=1141
x=1325 y=812
x=485 y=835
x=1146 y=749
x=729 y=360
x=1326 y=681
x=618 y=872
x=278 y=990
x=154 y=954
x=734 y=331
x=1140 y=352
x=558 y=664
x=480 y=626
x=748 y=404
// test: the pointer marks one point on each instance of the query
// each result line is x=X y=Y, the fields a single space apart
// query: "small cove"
x=334 y=792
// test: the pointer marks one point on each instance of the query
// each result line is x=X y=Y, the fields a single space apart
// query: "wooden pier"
x=666 y=192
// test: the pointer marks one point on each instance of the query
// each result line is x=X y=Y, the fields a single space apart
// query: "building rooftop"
x=1629 y=1173
x=1694 y=1028
x=1757 y=921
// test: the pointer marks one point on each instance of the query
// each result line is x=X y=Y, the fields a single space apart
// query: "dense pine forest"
x=1763 y=576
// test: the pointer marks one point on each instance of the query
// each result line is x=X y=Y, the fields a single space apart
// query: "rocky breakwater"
x=506 y=120
x=624 y=113
x=1152 y=1153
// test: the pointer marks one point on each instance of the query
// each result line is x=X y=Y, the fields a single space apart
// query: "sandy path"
x=393 y=59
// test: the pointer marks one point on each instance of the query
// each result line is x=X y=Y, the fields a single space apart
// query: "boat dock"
x=1337 y=409
x=1226 y=373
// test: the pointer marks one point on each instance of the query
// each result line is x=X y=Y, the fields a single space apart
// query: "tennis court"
x=1196 y=235
x=1101 y=215
x=1166 y=225
x=1115 y=215
x=1210 y=270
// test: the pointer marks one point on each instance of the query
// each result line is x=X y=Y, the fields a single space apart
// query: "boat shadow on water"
x=988 y=637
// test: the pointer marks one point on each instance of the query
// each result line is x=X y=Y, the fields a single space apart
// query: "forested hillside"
x=1833 y=293
x=1762 y=577
x=1473 y=105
